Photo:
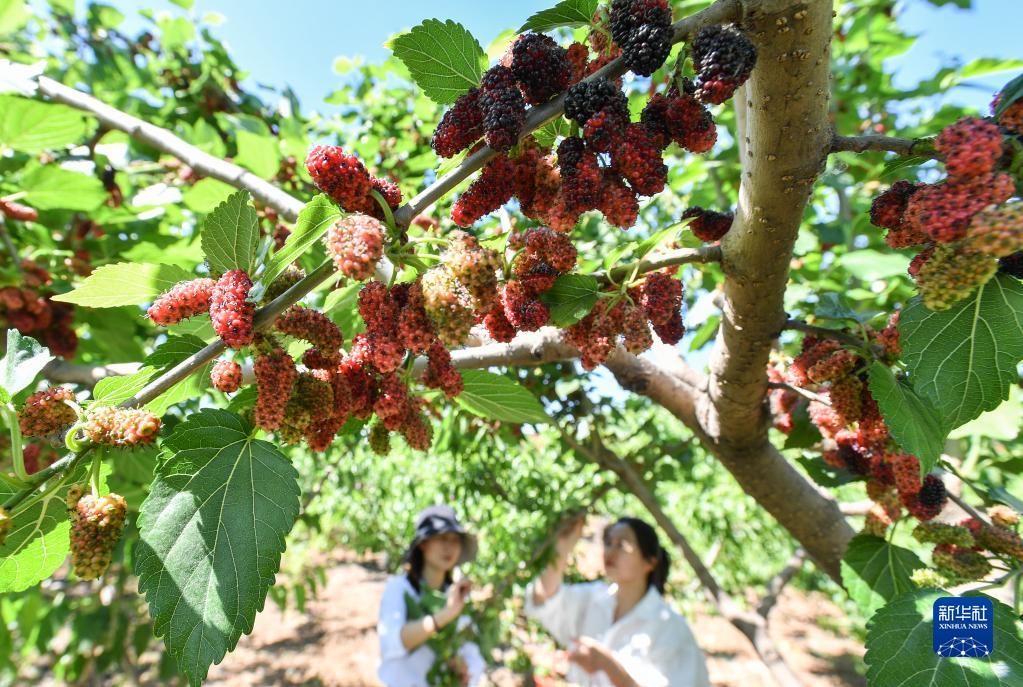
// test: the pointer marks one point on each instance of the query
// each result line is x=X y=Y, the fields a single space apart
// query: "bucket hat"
x=439 y=519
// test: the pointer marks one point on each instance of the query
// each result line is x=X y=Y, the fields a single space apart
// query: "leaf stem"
x=11 y=418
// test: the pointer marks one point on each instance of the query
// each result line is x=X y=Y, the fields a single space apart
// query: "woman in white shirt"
x=623 y=634
x=406 y=659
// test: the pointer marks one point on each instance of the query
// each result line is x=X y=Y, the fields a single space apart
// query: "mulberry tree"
x=213 y=304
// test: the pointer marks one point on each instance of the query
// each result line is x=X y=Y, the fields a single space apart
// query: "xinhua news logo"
x=963 y=627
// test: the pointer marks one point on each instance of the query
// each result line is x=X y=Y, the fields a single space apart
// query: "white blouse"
x=652 y=642
x=398 y=666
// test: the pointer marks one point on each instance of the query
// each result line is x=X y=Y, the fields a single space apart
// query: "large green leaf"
x=496 y=397
x=964 y=359
x=211 y=534
x=571 y=298
x=913 y=421
x=874 y=572
x=25 y=358
x=443 y=58
x=55 y=188
x=900 y=648
x=124 y=283
x=313 y=222
x=230 y=234
x=31 y=126
x=258 y=153
x=206 y=194
x=565 y=13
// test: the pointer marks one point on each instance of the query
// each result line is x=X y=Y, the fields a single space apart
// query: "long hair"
x=415 y=570
x=650 y=547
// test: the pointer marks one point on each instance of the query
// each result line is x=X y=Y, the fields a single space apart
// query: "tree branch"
x=799 y=390
x=880 y=143
x=777 y=583
x=703 y=254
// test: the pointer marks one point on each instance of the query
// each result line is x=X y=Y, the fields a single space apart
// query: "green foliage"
x=571 y=298
x=565 y=13
x=913 y=421
x=230 y=234
x=875 y=572
x=444 y=59
x=23 y=359
x=313 y=222
x=30 y=126
x=124 y=284
x=496 y=397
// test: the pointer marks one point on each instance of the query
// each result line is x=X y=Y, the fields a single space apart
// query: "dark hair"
x=415 y=570
x=650 y=547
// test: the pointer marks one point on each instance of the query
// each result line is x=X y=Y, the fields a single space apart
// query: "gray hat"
x=439 y=519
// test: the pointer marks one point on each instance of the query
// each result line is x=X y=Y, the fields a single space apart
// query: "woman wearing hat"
x=412 y=612
x=623 y=634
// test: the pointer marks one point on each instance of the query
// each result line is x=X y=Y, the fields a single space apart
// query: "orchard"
x=704 y=262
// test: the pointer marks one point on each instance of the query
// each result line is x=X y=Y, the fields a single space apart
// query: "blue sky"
x=296 y=42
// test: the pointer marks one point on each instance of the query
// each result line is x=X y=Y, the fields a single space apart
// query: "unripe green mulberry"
x=926 y=578
x=448 y=305
x=963 y=564
x=1001 y=540
x=291 y=276
x=475 y=268
x=996 y=231
x=115 y=426
x=942 y=533
x=379 y=439
x=96 y=524
x=951 y=274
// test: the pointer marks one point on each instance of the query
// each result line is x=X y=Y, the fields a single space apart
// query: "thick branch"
x=60 y=371
x=877 y=142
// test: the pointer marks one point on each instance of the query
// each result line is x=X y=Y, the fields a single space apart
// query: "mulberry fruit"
x=275 y=377
x=341 y=176
x=635 y=331
x=723 y=58
x=638 y=159
x=460 y=126
x=541 y=67
x=628 y=15
x=587 y=98
x=1012 y=265
x=226 y=376
x=379 y=439
x=996 y=231
x=833 y=367
x=617 y=201
x=474 y=267
x=672 y=331
x=943 y=533
x=1003 y=516
x=919 y=260
x=314 y=327
x=950 y=275
x=929 y=501
x=497 y=324
x=604 y=131
x=906 y=469
x=971 y=147
x=183 y=300
x=392 y=402
x=417 y=431
x=122 y=426
x=291 y=276
x=961 y=564
x=231 y=314
x=887 y=211
x=504 y=112
x=440 y=374
x=1001 y=541
x=487 y=193
x=17 y=211
x=96 y=525
x=944 y=210
x=45 y=412
x=660 y=296
x=448 y=305
x=708 y=225
x=647 y=49
x=580 y=175
x=415 y=329
x=356 y=244
x=1012 y=117
x=521 y=308
x=847 y=398
x=642 y=29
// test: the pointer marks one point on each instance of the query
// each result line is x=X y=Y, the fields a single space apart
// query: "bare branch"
x=777 y=583
x=703 y=254
x=880 y=143
x=799 y=390
x=856 y=507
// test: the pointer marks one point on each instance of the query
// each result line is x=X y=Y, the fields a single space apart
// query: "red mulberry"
x=604 y=131
x=417 y=431
x=392 y=402
x=638 y=159
x=45 y=412
x=231 y=315
x=415 y=329
x=96 y=525
x=226 y=376
x=887 y=211
x=183 y=300
x=1012 y=117
x=541 y=67
x=661 y=296
x=635 y=330
x=847 y=398
x=723 y=58
x=342 y=177
x=275 y=377
x=708 y=225
x=672 y=331
x=521 y=308
x=944 y=210
x=460 y=126
x=617 y=201
x=504 y=112
x=314 y=327
x=440 y=374
x=929 y=501
x=122 y=426
x=906 y=469
x=22 y=213
x=834 y=367
x=487 y=193
x=971 y=147
x=497 y=324
x=356 y=244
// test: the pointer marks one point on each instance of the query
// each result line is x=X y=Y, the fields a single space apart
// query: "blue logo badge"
x=963 y=626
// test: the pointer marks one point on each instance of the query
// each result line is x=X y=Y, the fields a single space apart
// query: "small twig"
x=704 y=254
x=799 y=390
x=880 y=143
x=968 y=508
x=777 y=583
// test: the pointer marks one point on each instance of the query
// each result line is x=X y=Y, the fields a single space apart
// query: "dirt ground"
x=334 y=642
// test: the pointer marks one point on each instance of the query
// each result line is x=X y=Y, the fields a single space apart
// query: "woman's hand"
x=461 y=670
x=590 y=655
x=458 y=594
x=569 y=534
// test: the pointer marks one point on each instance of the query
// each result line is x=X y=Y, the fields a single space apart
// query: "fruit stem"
x=97 y=460
x=11 y=418
x=389 y=216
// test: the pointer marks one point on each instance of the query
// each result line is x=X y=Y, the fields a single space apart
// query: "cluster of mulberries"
x=311 y=401
x=448 y=304
x=230 y=312
x=474 y=266
x=723 y=58
x=951 y=274
x=492 y=189
x=356 y=244
x=888 y=210
x=708 y=225
x=541 y=67
x=316 y=328
x=45 y=412
x=642 y=29
x=226 y=376
x=34 y=314
x=275 y=376
x=96 y=525
x=346 y=180
x=121 y=427
x=996 y=231
x=183 y=300
x=964 y=552
x=679 y=117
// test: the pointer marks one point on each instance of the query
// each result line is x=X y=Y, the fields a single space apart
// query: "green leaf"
x=1004 y=422
x=443 y=58
x=571 y=298
x=258 y=153
x=38 y=541
x=211 y=534
x=230 y=234
x=913 y=421
x=834 y=306
x=25 y=358
x=900 y=647
x=206 y=194
x=13 y=15
x=661 y=236
x=870 y=265
x=549 y=132
x=1012 y=92
x=964 y=359
x=124 y=283
x=117 y=390
x=874 y=572
x=55 y=188
x=313 y=222
x=496 y=397
x=565 y=13
x=32 y=126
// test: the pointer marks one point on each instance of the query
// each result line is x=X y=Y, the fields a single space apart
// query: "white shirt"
x=398 y=666
x=652 y=642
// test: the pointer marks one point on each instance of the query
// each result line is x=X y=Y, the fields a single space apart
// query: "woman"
x=624 y=634
x=410 y=616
